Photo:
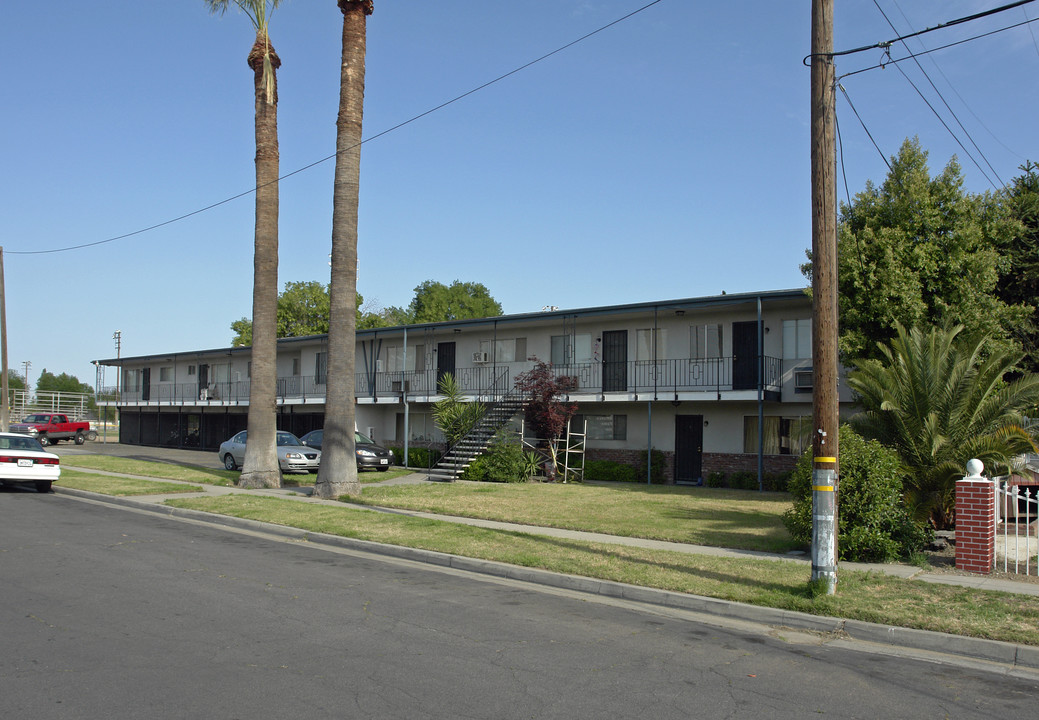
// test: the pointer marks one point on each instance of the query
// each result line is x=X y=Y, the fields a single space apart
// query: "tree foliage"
x=452 y=414
x=436 y=302
x=546 y=413
x=873 y=524
x=1019 y=283
x=939 y=399
x=303 y=309
x=49 y=382
x=921 y=251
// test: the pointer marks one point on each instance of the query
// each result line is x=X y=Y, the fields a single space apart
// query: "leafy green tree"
x=260 y=468
x=939 y=399
x=303 y=309
x=921 y=251
x=873 y=524
x=49 y=382
x=452 y=414
x=436 y=302
x=15 y=381
x=1019 y=283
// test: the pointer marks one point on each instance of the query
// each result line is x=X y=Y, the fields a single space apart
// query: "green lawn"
x=699 y=516
x=694 y=515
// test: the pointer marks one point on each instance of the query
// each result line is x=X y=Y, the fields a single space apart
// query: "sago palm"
x=260 y=468
x=940 y=399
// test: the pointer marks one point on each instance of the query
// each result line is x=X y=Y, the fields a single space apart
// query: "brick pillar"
x=975 y=524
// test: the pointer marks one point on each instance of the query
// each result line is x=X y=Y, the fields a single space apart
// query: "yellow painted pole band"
x=822 y=488
x=826 y=459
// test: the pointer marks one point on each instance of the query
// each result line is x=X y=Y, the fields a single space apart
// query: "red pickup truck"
x=52 y=427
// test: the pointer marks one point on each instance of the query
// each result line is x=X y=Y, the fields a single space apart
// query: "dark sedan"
x=370 y=455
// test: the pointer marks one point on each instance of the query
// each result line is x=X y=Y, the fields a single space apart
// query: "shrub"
x=743 y=480
x=418 y=457
x=874 y=524
x=503 y=461
x=776 y=482
x=716 y=479
x=608 y=470
x=657 y=467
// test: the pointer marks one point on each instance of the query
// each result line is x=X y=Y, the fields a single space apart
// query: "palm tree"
x=940 y=400
x=260 y=468
x=338 y=473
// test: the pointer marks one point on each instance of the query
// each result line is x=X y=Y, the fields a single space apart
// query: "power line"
x=325 y=159
x=947 y=107
x=941 y=26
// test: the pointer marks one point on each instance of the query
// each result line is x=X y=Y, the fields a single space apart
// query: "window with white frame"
x=165 y=374
x=780 y=436
x=602 y=427
x=797 y=339
x=131 y=380
x=504 y=351
x=571 y=349
x=705 y=341
x=651 y=344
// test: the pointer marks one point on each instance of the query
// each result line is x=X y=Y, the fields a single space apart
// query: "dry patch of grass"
x=110 y=485
x=771 y=583
x=699 y=516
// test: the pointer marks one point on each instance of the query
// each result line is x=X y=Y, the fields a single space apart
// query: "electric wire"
x=947 y=106
x=863 y=124
x=894 y=61
x=941 y=26
x=325 y=159
x=961 y=98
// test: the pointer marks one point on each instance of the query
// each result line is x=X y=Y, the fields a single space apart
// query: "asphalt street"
x=115 y=613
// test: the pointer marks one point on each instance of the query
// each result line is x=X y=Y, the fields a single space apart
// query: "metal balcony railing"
x=658 y=378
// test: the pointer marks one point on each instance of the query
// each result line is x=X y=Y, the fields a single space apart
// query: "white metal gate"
x=1017 y=524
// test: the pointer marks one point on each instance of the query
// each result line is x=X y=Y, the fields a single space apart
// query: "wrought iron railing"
x=658 y=378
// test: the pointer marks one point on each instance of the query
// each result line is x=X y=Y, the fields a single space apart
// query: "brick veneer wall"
x=975 y=525
x=746 y=462
x=712 y=462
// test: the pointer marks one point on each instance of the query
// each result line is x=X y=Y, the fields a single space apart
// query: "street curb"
x=1012 y=654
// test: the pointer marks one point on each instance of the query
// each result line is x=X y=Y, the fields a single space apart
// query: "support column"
x=975 y=521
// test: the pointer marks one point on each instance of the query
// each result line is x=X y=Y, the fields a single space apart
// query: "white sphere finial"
x=974 y=467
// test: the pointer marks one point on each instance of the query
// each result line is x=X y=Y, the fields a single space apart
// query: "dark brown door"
x=615 y=360
x=688 y=449
x=146 y=384
x=445 y=360
x=745 y=355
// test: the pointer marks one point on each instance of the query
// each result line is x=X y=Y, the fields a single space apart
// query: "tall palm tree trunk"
x=260 y=468
x=338 y=473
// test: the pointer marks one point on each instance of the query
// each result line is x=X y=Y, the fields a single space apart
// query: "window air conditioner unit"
x=479 y=357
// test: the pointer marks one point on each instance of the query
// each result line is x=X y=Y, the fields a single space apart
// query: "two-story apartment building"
x=716 y=383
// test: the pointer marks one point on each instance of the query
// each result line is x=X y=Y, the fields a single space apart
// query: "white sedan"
x=293 y=456
x=23 y=461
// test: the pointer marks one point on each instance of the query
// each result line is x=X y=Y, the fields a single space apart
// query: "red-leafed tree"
x=546 y=411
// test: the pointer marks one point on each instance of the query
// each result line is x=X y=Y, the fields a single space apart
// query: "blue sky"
x=665 y=157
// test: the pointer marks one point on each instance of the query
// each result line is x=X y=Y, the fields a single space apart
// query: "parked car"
x=293 y=456
x=370 y=455
x=23 y=461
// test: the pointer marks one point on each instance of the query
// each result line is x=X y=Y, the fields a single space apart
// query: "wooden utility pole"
x=824 y=300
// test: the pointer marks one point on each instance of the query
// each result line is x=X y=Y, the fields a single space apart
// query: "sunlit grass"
x=699 y=516
x=771 y=583
x=112 y=485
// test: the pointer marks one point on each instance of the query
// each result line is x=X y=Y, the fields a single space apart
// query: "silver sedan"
x=293 y=456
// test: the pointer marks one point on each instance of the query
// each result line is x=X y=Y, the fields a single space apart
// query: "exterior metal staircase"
x=496 y=416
